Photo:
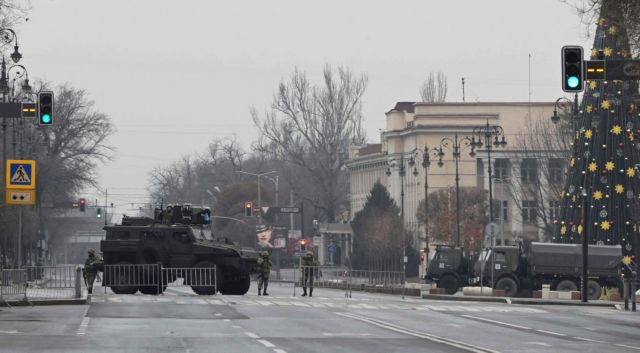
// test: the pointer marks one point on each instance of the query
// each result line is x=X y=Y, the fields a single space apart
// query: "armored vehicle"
x=178 y=237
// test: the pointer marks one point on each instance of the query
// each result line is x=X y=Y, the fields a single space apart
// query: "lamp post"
x=259 y=175
x=456 y=146
x=402 y=172
x=487 y=133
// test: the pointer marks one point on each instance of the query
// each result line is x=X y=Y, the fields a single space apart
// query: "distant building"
x=412 y=125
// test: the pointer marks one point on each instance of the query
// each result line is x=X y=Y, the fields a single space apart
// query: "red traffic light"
x=82 y=203
x=248 y=209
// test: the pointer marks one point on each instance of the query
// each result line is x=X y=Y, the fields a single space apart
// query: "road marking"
x=497 y=322
x=218 y=314
x=267 y=343
x=539 y=344
x=625 y=346
x=6 y=332
x=278 y=350
x=345 y=334
x=589 y=340
x=236 y=326
x=427 y=336
x=226 y=320
x=551 y=333
x=454 y=325
x=82 y=329
x=252 y=335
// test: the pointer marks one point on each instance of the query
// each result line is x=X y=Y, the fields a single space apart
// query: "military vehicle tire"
x=566 y=286
x=508 y=285
x=594 y=291
x=240 y=287
x=205 y=290
x=449 y=283
x=124 y=276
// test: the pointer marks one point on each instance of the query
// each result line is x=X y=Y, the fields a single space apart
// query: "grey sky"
x=174 y=74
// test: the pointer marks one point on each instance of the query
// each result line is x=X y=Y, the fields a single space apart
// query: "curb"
x=521 y=301
x=73 y=301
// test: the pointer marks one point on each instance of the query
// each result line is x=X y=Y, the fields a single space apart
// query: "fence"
x=154 y=279
x=391 y=282
x=40 y=282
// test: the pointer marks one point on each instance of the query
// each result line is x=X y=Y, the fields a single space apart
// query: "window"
x=529 y=171
x=529 y=211
x=479 y=167
x=501 y=169
x=501 y=256
x=501 y=210
x=554 y=210
x=556 y=169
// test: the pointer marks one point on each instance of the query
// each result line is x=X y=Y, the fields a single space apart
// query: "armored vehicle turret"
x=178 y=237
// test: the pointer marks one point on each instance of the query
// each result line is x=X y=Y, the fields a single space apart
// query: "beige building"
x=410 y=126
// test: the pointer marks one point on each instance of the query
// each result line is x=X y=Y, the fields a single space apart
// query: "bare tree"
x=434 y=88
x=311 y=126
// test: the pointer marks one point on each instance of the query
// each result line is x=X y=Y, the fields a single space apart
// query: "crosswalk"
x=316 y=302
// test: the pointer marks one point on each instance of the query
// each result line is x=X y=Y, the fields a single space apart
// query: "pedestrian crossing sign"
x=21 y=174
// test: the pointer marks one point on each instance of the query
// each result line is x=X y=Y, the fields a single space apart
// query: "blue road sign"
x=331 y=248
x=21 y=174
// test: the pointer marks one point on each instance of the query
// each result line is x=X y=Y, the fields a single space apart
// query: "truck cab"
x=501 y=267
x=449 y=268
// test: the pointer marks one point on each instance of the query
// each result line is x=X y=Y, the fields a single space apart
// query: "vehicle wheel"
x=449 y=283
x=122 y=276
x=240 y=287
x=566 y=286
x=594 y=291
x=509 y=286
x=151 y=275
x=200 y=285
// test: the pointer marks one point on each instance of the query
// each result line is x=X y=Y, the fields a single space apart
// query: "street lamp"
x=487 y=133
x=426 y=163
x=456 y=146
x=402 y=172
x=555 y=118
x=259 y=175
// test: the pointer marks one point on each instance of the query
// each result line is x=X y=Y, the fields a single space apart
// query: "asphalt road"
x=180 y=321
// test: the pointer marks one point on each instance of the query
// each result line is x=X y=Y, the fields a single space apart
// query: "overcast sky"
x=174 y=74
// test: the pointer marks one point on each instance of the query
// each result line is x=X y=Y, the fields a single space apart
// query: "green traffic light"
x=573 y=82
x=46 y=119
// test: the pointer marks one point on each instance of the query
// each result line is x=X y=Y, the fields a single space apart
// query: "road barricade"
x=13 y=285
x=390 y=282
x=53 y=282
x=154 y=278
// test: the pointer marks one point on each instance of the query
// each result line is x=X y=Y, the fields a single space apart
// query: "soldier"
x=309 y=266
x=264 y=266
x=91 y=267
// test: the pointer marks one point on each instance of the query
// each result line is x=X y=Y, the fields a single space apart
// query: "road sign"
x=622 y=69
x=595 y=70
x=284 y=209
x=21 y=197
x=29 y=110
x=11 y=110
x=21 y=174
x=331 y=248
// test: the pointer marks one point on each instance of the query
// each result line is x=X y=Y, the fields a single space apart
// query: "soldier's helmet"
x=309 y=253
x=264 y=253
x=92 y=252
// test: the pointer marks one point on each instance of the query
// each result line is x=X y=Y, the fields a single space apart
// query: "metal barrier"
x=52 y=281
x=13 y=285
x=342 y=278
x=154 y=279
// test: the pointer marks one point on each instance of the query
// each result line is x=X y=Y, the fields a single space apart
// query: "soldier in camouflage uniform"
x=309 y=267
x=91 y=267
x=264 y=267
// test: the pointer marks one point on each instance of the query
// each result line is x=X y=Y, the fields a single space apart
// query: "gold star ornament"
x=572 y=162
x=597 y=195
x=605 y=225
x=631 y=172
x=580 y=229
x=563 y=230
x=619 y=188
x=589 y=108
x=593 y=85
x=613 y=30
x=593 y=167
x=605 y=104
x=610 y=166
x=594 y=52
x=625 y=260
x=608 y=51
x=588 y=134
x=616 y=130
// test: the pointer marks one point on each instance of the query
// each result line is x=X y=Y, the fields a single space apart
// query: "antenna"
x=463 y=100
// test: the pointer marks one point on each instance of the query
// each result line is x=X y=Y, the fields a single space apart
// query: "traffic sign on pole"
x=331 y=248
x=21 y=197
x=21 y=174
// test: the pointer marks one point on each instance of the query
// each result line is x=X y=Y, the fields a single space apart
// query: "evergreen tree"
x=600 y=198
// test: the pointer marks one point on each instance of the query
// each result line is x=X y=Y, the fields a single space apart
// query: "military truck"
x=515 y=270
x=450 y=268
x=178 y=237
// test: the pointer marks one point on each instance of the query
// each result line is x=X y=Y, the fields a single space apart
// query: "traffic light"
x=98 y=212
x=45 y=108
x=303 y=245
x=572 y=70
x=248 y=209
x=82 y=203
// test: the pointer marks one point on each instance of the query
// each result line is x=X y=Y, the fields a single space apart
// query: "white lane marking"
x=497 y=322
x=430 y=337
x=236 y=326
x=278 y=350
x=12 y=331
x=226 y=320
x=454 y=325
x=82 y=329
x=539 y=344
x=218 y=314
x=589 y=340
x=551 y=333
x=625 y=346
x=267 y=343
x=252 y=335
x=345 y=334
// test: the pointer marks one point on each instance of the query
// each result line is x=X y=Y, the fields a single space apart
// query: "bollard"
x=78 y=282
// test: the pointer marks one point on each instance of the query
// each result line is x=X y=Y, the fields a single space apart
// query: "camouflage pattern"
x=91 y=266
x=264 y=266
x=308 y=271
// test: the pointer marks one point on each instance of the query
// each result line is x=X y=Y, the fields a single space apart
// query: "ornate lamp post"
x=456 y=146
x=487 y=133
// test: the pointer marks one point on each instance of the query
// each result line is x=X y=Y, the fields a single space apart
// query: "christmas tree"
x=602 y=191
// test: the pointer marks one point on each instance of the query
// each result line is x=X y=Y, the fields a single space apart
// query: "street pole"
x=19 y=236
x=425 y=164
x=402 y=173
x=456 y=156
x=585 y=247
x=486 y=133
x=259 y=202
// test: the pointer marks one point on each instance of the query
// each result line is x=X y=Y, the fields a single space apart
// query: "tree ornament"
x=609 y=166
x=605 y=104
x=616 y=130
